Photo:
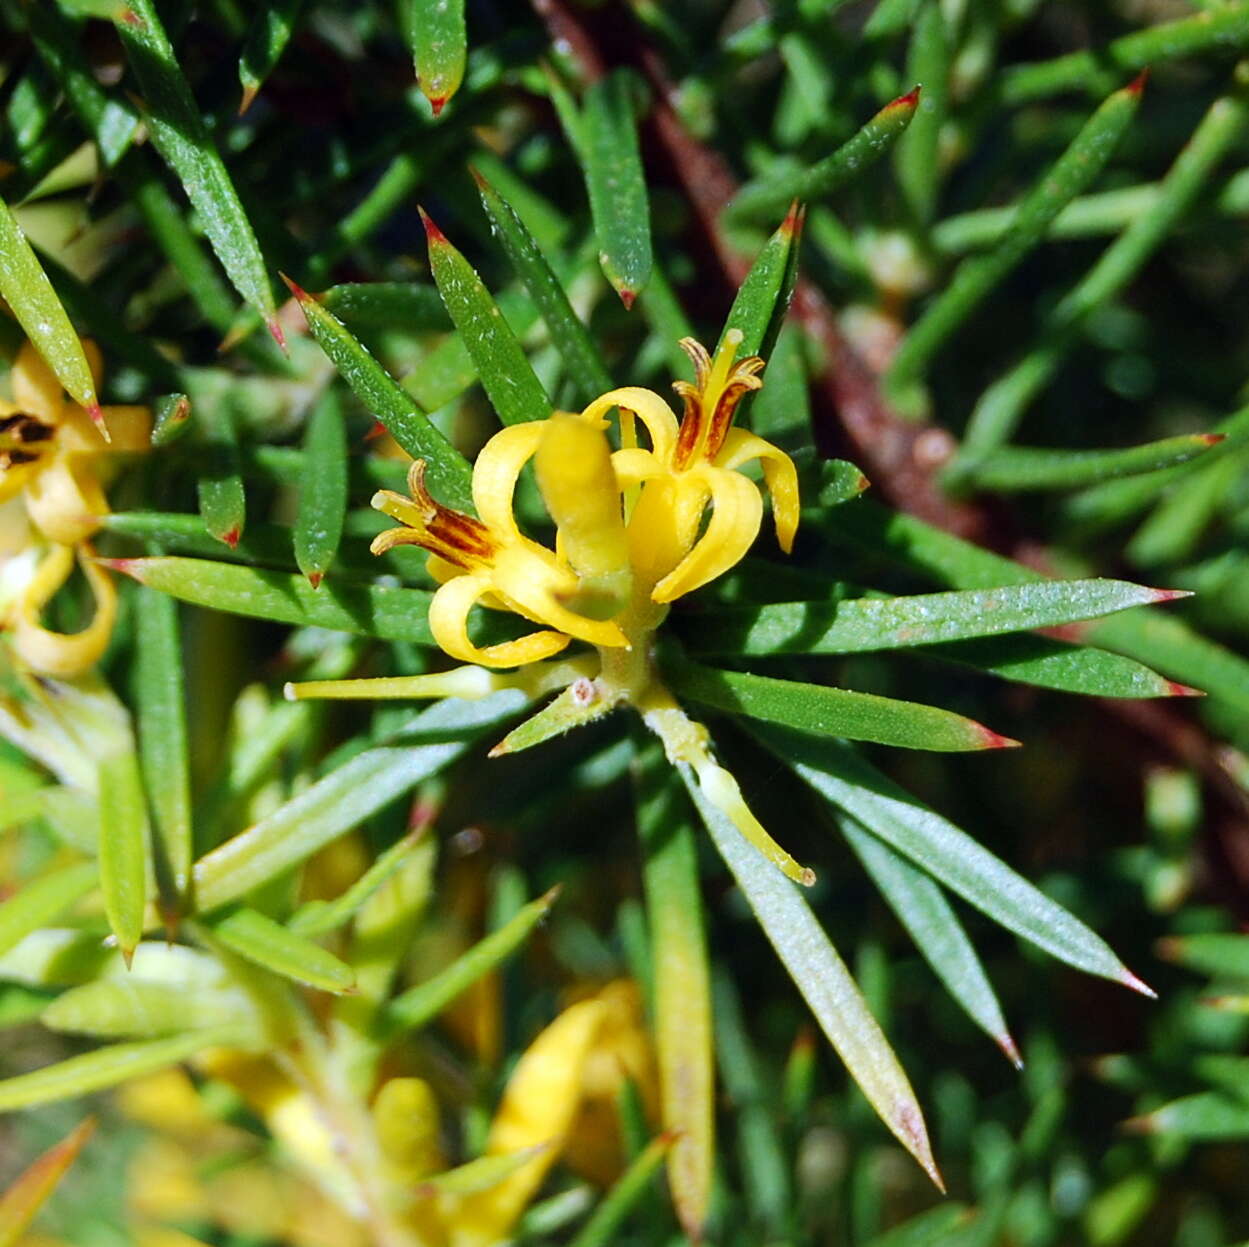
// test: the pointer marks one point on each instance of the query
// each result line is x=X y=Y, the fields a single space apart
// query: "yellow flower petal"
x=735 y=518
x=35 y=389
x=779 y=473
x=495 y=471
x=57 y=653
x=448 y=621
x=405 y=1115
x=534 y=588
x=65 y=500
x=654 y=413
x=538 y=1106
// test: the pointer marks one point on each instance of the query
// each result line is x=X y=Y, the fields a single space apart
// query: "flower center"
x=719 y=386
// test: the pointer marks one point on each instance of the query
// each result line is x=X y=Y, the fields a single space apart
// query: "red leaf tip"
x=1137 y=85
x=231 y=536
x=433 y=234
x=315 y=578
x=295 y=288
x=127 y=567
x=248 y=97
x=909 y=101
x=1169 y=595
x=989 y=739
x=278 y=333
x=437 y=103
x=627 y=297
x=1008 y=1046
x=1175 y=689
x=1212 y=439
x=791 y=226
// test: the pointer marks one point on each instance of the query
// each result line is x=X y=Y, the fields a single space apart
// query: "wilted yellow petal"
x=59 y=654
x=538 y=1106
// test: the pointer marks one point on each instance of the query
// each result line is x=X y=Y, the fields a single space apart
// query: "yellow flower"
x=53 y=456
x=489 y=560
x=51 y=452
x=697 y=462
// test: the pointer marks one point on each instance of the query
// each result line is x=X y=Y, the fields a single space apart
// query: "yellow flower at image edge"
x=52 y=458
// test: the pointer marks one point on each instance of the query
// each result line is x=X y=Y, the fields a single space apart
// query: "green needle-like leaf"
x=977 y=277
x=419 y=1005
x=222 y=499
x=323 y=496
x=108 y=1066
x=865 y=624
x=123 y=851
x=42 y=901
x=823 y=711
x=944 y=851
x=182 y=139
x=763 y=297
x=160 y=701
x=1208 y=1115
x=628 y=1190
x=769 y=196
x=343 y=799
x=918 y=153
x=617 y=184
x=436 y=34
x=922 y=908
x=268 y=944
x=509 y=379
x=571 y=338
x=1221 y=955
x=32 y=1188
x=266 y=41
x=140 y=1008
x=28 y=292
x=821 y=976
x=682 y=985
x=384 y=304
x=448 y=473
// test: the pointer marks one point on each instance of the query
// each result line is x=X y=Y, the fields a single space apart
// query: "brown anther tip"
x=433 y=234
x=910 y=100
x=315 y=578
x=627 y=297
x=231 y=536
x=1175 y=689
x=278 y=333
x=1170 y=595
x=1212 y=439
x=248 y=98
x=1128 y=979
x=1137 y=85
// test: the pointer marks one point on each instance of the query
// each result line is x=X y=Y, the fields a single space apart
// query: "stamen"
x=460 y=539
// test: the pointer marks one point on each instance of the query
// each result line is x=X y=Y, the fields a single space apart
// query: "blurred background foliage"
x=1133 y=815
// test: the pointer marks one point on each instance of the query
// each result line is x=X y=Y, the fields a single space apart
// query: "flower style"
x=52 y=458
x=488 y=559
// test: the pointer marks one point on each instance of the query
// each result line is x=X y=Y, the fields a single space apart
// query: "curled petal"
x=737 y=510
x=65 y=500
x=495 y=472
x=660 y=423
x=633 y=466
x=448 y=621
x=58 y=654
x=779 y=473
x=534 y=589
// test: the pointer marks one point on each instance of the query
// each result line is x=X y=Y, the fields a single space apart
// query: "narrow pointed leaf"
x=30 y=1190
x=944 y=851
x=436 y=34
x=28 y=292
x=682 y=1001
x=921 y=907
x=323 y=496
x=823 y=711
x=384 y=304
x=768 y=197
x=266 y=41
x=866 y=624
x=571 y=338
x=448 y=472
x=123 y=847
x=268 y=944
x=343 y=799
x=822 y=978
x=419 y=1005
x=141 y=1008
x=918 y=159
x=170 y=415
x=222 y=500
x=617 y=184
x=42 y=901
x=578 y=704
x=976 y=278
x=108 y=1066
x=763 y=297
x=1208 y=1116
x=1019 y=468
x=160 y=701
x=179 y=134
x=626 y=1193
x=371 y=610
x=505 y=371
x=1217 y=954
